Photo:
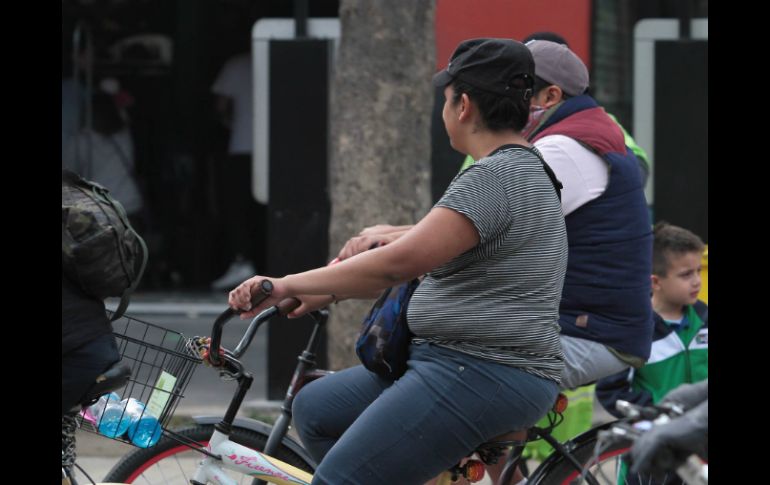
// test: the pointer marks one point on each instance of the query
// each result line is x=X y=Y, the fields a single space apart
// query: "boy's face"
x=681 y=284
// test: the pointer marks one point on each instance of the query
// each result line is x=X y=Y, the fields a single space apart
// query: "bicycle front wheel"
x=171 y=463
x=556 y=470
x=608 y=468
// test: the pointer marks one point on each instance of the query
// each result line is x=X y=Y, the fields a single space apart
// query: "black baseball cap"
x=500 y=66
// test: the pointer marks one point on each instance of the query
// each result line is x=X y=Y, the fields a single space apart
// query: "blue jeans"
x=363 y=429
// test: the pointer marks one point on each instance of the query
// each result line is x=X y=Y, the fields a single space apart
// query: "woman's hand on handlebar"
x=240 y=298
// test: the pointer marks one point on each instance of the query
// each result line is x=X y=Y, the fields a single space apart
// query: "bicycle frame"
x=562 y=452
x=694 y=471
x=225 y=454
x=233 y=456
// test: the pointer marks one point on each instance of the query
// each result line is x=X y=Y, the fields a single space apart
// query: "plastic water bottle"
x=146 y=431
x=118 y=417
x=94 y=412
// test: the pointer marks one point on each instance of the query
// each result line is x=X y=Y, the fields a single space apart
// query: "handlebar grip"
x=265 y=290
x=288 y=305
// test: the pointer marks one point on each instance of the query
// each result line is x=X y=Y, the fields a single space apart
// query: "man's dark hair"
x=498 y=112
x=670 y=241
x=541 y=84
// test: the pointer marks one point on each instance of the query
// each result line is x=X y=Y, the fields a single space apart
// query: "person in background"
x=605 y=304
x=104 y=152
x=245 y=219
x=641 y=155
x=680 y=342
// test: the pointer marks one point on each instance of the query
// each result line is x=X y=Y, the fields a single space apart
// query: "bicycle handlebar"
x=265 y=290
x=640 y=419
x=283 y=308
x=636 y=412
x=288 y=305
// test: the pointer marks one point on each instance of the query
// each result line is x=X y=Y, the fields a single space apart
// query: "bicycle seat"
x=110 y=380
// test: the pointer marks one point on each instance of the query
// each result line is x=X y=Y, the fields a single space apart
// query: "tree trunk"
x=382 y=99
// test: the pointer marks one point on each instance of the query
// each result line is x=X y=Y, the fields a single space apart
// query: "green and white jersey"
x=678 y=355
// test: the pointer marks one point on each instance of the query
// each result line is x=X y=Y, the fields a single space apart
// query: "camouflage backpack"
x=100 y=251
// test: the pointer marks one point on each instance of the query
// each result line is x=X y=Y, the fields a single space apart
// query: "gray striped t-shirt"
x=499 y=301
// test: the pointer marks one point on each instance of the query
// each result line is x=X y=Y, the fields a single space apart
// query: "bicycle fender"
x=262 y=428
x=555 y=457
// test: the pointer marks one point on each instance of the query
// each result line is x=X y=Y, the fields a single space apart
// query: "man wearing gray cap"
x=605 y=312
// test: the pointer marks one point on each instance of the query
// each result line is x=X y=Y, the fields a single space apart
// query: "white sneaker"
x=238 y=272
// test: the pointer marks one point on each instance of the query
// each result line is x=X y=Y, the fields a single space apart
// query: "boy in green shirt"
x=680 y=340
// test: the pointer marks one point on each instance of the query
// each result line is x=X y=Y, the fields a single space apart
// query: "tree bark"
x=382 y=99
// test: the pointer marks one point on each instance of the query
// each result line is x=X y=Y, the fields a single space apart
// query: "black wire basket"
x=161 y=368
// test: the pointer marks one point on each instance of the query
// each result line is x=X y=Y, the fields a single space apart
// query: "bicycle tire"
x=556 y=470
x=172 y=463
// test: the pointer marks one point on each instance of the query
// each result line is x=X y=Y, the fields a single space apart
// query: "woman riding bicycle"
x=486 y=358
